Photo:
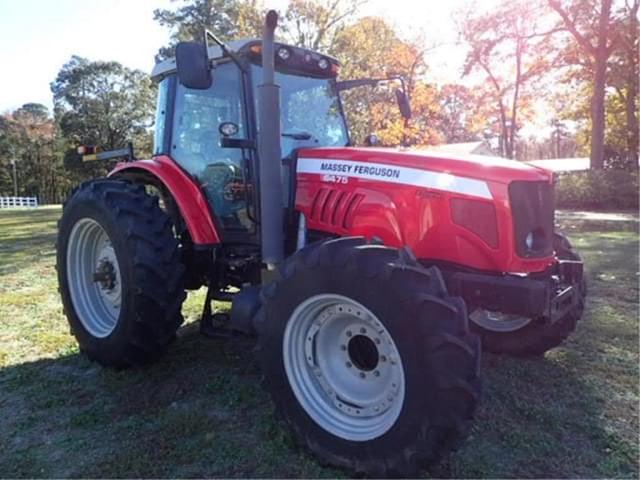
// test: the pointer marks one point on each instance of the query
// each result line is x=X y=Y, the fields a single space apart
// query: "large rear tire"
x=368 y=359
x=119 y=273
x=529 y=337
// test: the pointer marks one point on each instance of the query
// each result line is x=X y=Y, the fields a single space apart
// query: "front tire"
x=119 y=273
x=367 y=358
x=529 y=337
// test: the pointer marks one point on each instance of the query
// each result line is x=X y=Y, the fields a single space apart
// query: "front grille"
x=335 y=207
x=532 y=211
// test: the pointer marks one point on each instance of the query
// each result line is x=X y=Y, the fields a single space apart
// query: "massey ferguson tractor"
x=369 y=276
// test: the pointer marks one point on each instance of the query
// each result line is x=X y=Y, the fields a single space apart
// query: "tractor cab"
x=210 y=129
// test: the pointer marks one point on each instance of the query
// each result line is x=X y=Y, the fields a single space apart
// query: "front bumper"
x=550 y=295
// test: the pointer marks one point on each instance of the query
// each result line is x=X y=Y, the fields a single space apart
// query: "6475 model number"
x=335 y=178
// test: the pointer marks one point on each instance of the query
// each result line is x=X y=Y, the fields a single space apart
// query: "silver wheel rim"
x=497 y=321
x=93 y=277
x=343 y=367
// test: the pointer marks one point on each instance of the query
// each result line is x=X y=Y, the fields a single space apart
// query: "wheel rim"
x=497 y=321
x=93 y=277
x=344 y=367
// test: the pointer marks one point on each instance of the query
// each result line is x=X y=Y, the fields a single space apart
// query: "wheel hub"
x=363 y=352
x=94 y=277
x=350 y=379
x=105 y=275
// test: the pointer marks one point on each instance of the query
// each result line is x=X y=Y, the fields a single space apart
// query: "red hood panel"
x=493 y=169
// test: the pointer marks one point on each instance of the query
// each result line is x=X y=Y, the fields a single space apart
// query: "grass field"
x=201 y=413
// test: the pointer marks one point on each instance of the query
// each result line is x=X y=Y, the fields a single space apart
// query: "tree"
x=6 y=156
x=28 y=137
x=374 y=110
x=462 y=117
x=228 y=19
x=624 y=77
x=591 y=25
x=103 y=104
x=507 y=47
x=315 y=24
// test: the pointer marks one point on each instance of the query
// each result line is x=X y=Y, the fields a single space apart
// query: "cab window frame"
x=250 y=170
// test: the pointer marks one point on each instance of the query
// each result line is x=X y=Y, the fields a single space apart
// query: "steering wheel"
x=224 y=184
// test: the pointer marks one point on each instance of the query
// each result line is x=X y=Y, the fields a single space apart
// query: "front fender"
x=189 y=198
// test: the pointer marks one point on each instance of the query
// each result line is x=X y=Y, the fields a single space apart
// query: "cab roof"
x=161 y=69
x=169 y=66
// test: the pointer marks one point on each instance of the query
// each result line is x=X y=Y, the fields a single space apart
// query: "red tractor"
x=369 y=275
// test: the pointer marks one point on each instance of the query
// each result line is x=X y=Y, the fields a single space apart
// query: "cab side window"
x=197 y=116
x=195 y=144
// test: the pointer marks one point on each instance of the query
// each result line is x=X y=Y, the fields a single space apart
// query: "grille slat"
x=334 y=207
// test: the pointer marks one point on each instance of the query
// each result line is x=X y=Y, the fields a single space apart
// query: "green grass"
x=200 y=411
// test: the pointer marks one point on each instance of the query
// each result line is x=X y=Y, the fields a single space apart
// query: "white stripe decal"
x=395 y=174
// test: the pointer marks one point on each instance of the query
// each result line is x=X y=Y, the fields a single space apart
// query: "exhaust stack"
x=271 y=196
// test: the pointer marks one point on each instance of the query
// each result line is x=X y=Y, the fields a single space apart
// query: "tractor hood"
x=404 y=162
x=456 y=208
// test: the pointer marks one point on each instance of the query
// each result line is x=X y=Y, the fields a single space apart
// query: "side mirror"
x=403 y=104
x=192 y=63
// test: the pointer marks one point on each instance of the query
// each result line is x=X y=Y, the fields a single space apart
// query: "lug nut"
x=383 y=358
x=378 y=341
x=363 y=330
x=376 y=373
x=349 y=333
x=343 y=347
x=349 y=365
x=362 y=375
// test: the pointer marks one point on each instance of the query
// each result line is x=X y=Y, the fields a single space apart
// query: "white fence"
x=11 y=202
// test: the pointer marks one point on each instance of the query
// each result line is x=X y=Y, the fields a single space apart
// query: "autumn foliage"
x=542 y=78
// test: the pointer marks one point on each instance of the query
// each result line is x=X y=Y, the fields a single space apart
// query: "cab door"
x=222 y=173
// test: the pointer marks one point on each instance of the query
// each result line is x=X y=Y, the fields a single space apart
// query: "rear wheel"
x=119 y=273
x=367 y=358
x=524 y=336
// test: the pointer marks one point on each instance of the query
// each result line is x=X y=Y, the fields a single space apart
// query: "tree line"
x=575 y=59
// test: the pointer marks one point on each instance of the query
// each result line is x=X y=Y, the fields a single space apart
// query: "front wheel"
x=523 y=336
x=119 y=273
x=367 y=358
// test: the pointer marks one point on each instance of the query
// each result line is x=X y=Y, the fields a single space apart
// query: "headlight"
x=528 y=241
x=535 y=240
x=284 y=53
x=323 y=63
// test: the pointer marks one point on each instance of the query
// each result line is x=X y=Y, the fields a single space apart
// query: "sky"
x=38 y=36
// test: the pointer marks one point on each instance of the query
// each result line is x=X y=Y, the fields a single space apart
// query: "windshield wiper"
x=298 y=135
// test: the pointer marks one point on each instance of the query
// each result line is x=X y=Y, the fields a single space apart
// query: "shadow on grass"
x=199 y=412
x=540 y=419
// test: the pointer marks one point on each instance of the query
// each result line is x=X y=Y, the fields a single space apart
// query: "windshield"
x=310 y=111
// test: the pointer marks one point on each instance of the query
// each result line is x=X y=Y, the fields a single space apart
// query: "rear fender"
x=188 y=197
